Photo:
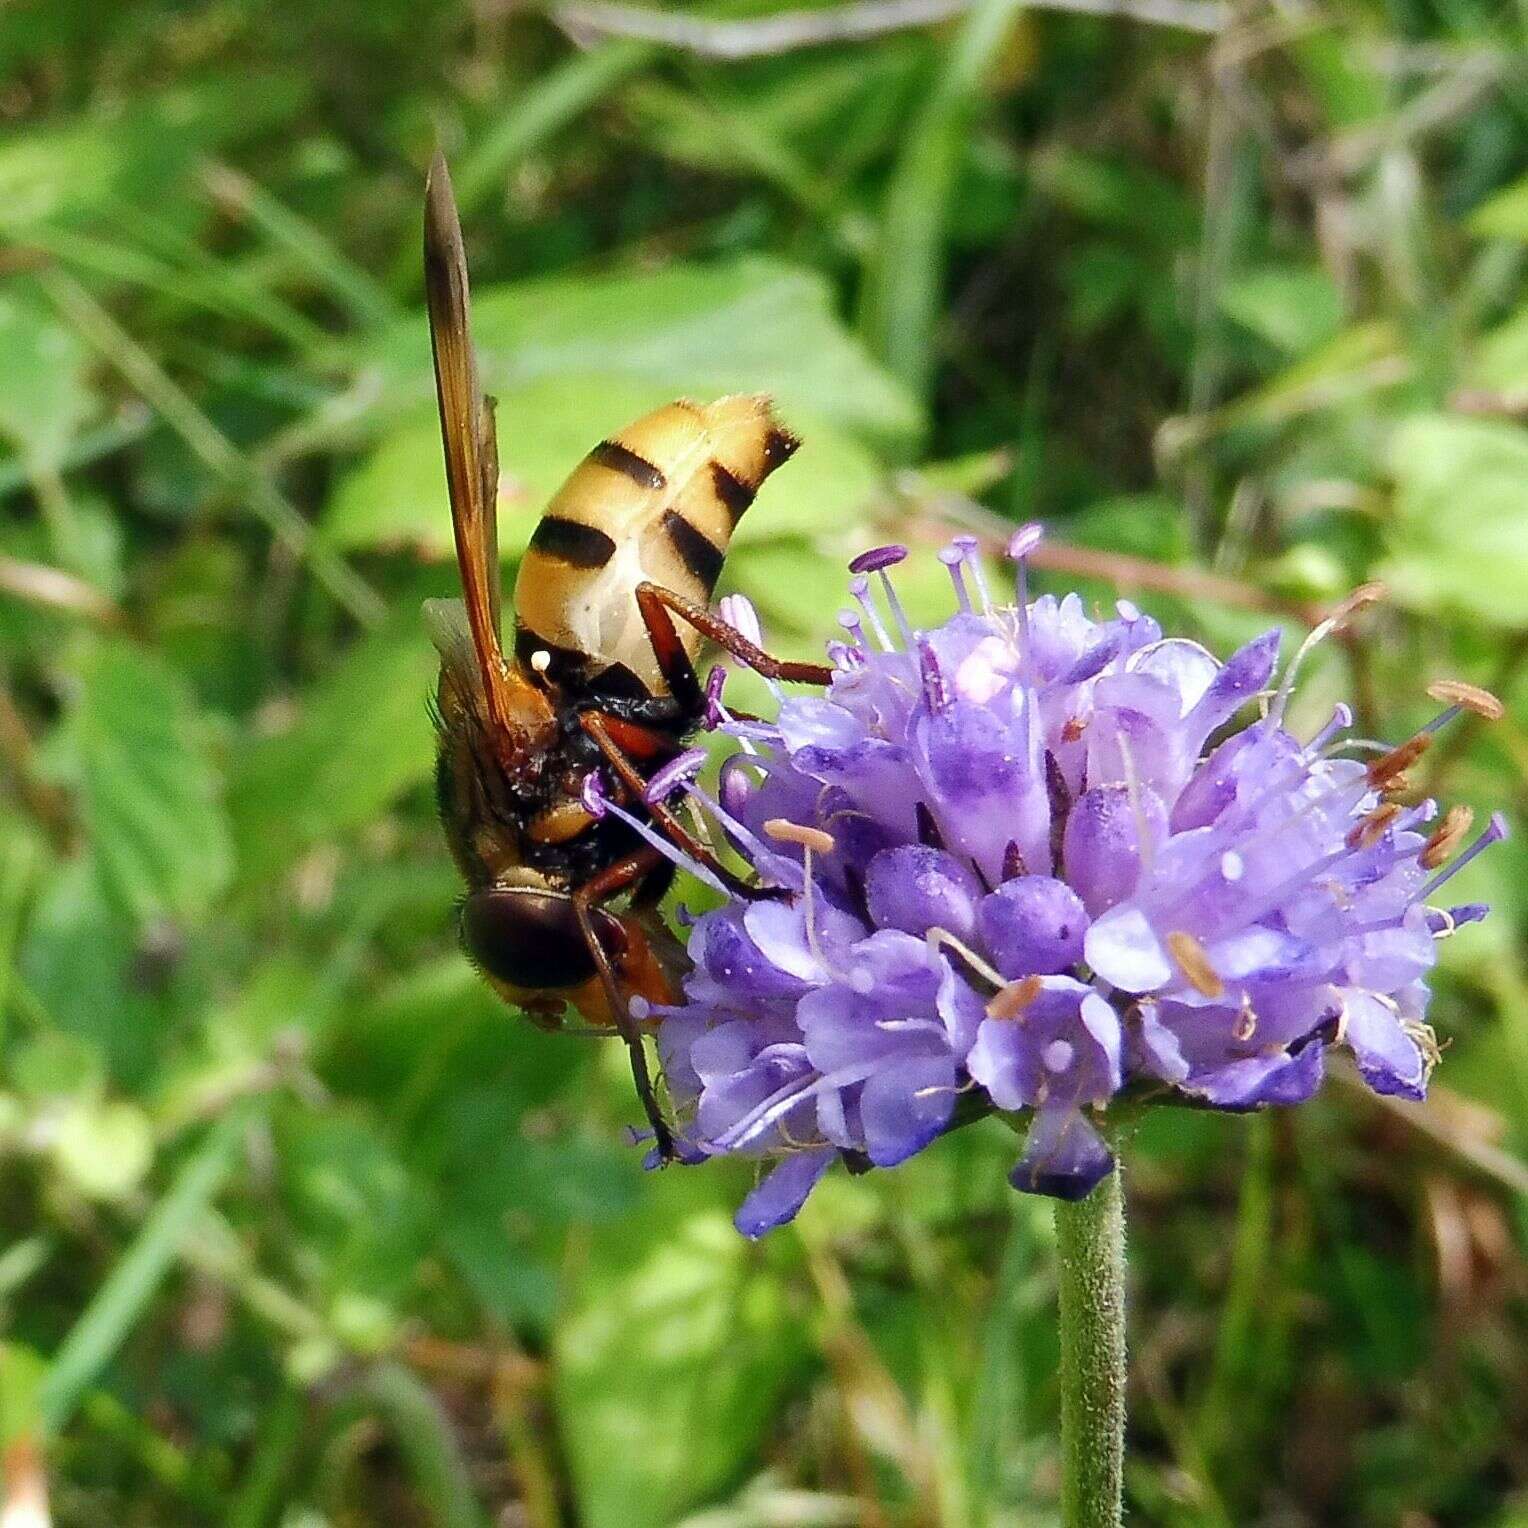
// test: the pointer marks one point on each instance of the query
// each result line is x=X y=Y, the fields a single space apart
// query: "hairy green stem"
x=1090 y=1247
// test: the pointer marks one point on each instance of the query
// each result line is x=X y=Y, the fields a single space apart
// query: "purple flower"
x=1022 y=862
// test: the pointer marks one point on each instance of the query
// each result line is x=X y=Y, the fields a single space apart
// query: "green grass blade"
x=122 y=1299
x=424 y=1438
x=209 y=443
x=559 y=97
x=902 y=292
x=368 y=302
x=545 y=106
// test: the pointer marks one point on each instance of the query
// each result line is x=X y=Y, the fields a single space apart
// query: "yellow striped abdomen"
x=659 y=501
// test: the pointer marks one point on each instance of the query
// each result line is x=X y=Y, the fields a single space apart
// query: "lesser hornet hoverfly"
x=600 y=678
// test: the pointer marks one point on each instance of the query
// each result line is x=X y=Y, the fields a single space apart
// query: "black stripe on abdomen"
x=572 y=542
x=736 y=494
x=622 y=459
x=697 y=552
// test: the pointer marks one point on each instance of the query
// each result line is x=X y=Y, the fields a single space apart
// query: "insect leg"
x=673 y=661
x=599 y=727
x=655 y=602
x=608 y=883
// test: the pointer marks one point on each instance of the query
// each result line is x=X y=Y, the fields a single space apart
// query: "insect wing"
x=466 y=427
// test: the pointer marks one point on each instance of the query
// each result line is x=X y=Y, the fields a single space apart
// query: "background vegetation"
x=296 y=1225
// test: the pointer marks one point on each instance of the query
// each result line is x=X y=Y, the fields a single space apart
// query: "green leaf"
x=1503 y=216
x=541 y=108
x=358 y=1209
x=55 y=1064
x=1292 y=307
x=1120 y=194
x=157 y=829
x=1500 y=362
x=1459 y=539
x=396 y=497
x=134 y=155
x=116 y=1306
x=363 y=737
x=21 y=1375
x=748 y=325
x=906 y=278
x=675 y=1350
x=44 y=399
x=82 y=959
x=104 y=1149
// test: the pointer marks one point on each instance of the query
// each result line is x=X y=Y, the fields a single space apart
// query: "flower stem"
x=1090 y=1244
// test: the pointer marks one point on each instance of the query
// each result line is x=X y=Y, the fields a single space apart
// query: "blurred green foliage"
x=297 y=1225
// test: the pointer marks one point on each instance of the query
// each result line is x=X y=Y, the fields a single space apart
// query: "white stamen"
x=1137 y=807
x=953 y=559
x=669 y=850
x=972 y=549
x=1365 y=594
x=897 y=613
x=1342 y=719
x=860 y=590
x=942 y=937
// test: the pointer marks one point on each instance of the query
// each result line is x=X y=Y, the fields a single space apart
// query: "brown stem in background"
x=1119 y=568
x=586 y=21
x=1366 y=709
x=40 y=584
x=45 y=801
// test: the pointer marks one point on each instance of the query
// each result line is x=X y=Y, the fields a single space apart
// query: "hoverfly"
x=599 y=679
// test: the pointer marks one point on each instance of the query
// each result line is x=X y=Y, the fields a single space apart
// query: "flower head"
x=1027 y=859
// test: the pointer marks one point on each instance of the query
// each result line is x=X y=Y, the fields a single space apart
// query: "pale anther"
x=1447 y=836
x=1390 y=766
x=784 y=831
x=1194 y=962
x=1456 y=692
x=1014 y=998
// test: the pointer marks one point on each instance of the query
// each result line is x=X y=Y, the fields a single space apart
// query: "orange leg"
x=655 y=602
x=610 y=882
x=601 y=728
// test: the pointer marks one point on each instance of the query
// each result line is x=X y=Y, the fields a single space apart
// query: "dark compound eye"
x=531 y=938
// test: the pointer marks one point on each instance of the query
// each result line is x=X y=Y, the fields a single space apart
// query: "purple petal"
x=962 y=1011
x=1102 y=1024
x=1123 y=948
x=735 y=962
x=1097 y=658
x=1002 y=1060
x=1033 y=925
x=1257 y=953
x=914 y=889
x=1254 y=1081
x=779 y=932
x=905 y=1106
x=1102 y=845
x=1159 y=1045
x=1457 y=917
x=1185 y=667
x=782 y=1193
x=1390 y=1060
x=1064 y=1156
x=1246 y=671
x=1386 y=959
